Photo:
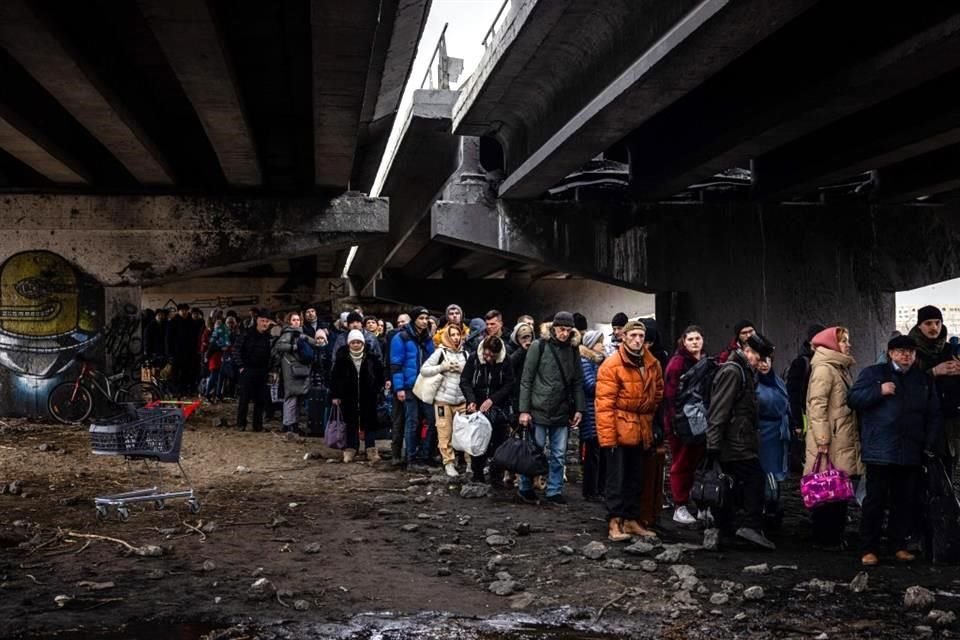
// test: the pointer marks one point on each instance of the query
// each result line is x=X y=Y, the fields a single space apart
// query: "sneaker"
x=528 y=497
x=755 y=537
x=870 y=560
x=556 y=499
x=682 y=516
x=451 y=470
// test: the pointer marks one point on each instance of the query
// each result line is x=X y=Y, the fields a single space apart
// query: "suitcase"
x=651 y=497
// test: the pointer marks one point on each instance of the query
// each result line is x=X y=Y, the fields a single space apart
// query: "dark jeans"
x=498 y=436
x=418 y=449
x=398 y=418
x=624 y=482
x=252 y=384
x=893 y=487
x=317 y=408
x=747 y=494
x=594 y=468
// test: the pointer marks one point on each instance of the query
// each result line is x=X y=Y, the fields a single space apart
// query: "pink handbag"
x=822 y=487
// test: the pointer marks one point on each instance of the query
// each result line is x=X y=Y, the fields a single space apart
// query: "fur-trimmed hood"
x=590 y=354
x=546 y=332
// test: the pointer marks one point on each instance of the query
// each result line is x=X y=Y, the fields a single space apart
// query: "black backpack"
x=693 y=401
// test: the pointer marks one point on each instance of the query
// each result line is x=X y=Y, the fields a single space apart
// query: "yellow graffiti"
x=38 y=295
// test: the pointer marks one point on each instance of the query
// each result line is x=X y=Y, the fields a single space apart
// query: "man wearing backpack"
x=551 y=401
x=733 y=438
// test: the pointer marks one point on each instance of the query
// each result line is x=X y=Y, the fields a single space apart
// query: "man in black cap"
x=899 y=420
x=733 y=438
x=616 y=337
x=935 y=356
x=252 y=358
x=741 y=331
x=551 y=401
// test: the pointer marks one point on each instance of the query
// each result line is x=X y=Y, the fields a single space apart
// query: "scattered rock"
x=261 y=589
x=474 y=490
x=785 y=567
x=719 y=599
x=424 y=516
x=669 y=555
x=503 y=587
x=740 y=617
x=497 y=540
x=942 y=618
x=728 y=586
x=242 y=469
x=683 y=571
x=95 y=586
x=313 y=547
x=209 y=565
x=301 y=605
x=420 y=499
x=447 y=549
x=923 y=630
x=757 y=569
x=684 y=597
x=918 y=598
x=390 y=498
x=15 y=487
x=495 y=561
x=443 y=572
x=503 y=576
x=615 y=565
x=711 y=539
x=823 y=586
x=209 y=527
x=46 y=446
x=648 y=565
x=217 y=600
x=716 y=612
x=313 y=455
x=566 y=550
x=753 y=593
x=860 y=582
x=63 y=600
x=522 y=529
x=639 y=548
x=823 y=636
x=418 y=480
x=491 y=532
x=594 y=550
x=410 y=528
x=69 y=501
x=522 y=600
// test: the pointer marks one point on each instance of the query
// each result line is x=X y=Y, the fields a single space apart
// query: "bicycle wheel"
x=138 y=394
x=69 y=403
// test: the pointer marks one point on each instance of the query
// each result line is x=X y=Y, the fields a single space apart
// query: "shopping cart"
x=152 y=433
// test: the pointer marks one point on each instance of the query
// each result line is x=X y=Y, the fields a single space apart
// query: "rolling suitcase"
x=651 y=497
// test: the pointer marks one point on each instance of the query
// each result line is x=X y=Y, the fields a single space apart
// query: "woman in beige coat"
x=832 y=426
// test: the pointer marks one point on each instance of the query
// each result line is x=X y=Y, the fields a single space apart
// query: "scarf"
x=929 y=351
x=636 y=357
x=357 y=357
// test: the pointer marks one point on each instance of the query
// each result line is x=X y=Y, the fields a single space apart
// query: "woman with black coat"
x=487 y=384
x=356 y=384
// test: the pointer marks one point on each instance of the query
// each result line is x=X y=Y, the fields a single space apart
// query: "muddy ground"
x=402 y=548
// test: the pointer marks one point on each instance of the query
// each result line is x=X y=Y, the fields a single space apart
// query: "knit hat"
x=761 y=345
x=827 y=339
x=619 y=320
x=416 y=312
x=563 y=319
x=264 y=313
x=902 y=342
x=580 y=322
x=590 y=338
x=453 y=307
x=633 y=325
x=344 y=316
x=353 y=316
x=355 y=334
x=929 y=312
x=740 y=326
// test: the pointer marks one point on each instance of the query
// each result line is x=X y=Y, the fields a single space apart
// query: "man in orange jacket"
x=629 y=390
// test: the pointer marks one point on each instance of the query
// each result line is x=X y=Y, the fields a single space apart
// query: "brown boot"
x=634 y=528
x=615 y=533
x=349 y=455
x=869 y=560
x=372 y=454
x=905 y=556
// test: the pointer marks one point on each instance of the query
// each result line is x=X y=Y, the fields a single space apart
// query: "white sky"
x=940 y=294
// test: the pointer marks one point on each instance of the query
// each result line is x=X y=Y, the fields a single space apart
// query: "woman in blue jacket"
x=594 y=473
x=773 y=404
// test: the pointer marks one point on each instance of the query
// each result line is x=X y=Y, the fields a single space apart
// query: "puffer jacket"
x=543 y=393
x=627 y=399
x=590 y=362
x=830 y=420
x=732 y=419
x=439 y=364
x=408 y=352
x=480 y=381
x=285 y=349
x=896 y=429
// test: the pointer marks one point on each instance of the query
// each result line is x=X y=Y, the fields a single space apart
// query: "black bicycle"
x=71 y=402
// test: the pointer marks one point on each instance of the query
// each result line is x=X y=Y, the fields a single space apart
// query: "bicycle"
x=72 y=401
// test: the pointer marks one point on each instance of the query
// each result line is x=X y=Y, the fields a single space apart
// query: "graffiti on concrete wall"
x=50 y=311
x=122 y=339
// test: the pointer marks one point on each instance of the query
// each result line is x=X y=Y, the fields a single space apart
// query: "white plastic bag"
x=471 y=433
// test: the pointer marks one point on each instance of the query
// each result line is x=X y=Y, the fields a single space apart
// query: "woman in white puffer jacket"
x=447 y=361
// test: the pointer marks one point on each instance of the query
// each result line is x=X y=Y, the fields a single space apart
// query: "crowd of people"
x=626 y=396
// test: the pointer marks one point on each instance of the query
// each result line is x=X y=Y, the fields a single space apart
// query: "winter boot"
x=372 y=454
x=634 y=528
x=615 y=532
x=349 y=455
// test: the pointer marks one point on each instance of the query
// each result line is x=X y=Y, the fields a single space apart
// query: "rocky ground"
x=291 y=543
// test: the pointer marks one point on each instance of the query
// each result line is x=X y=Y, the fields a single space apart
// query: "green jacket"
x=543 y=393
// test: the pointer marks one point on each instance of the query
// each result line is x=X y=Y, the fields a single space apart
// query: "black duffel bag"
x=521 y=455
x=710 y=485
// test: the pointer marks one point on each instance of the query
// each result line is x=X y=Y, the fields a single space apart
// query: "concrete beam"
x=75 y=87
x=136 y=239
x=705 y=41
x=46 y=161
x=756 y=120
x=926 y=175
x=422 y=162
x=342 y=46
x=567 y=237
x=194 y=47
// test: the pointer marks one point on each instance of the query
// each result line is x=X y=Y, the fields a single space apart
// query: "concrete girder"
x=422 y=162
x=769 y=118
x=50 y=163
x=566 y=237
x=925 y=175
x=137 y=239
x=195 y=50
x=701 y=44
x=342 y=45
x=77 y=88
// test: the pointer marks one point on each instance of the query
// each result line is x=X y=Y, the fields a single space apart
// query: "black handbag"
x=710 y=485
x=521 y=455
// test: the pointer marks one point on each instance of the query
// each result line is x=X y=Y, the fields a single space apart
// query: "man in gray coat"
x=551 y=401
